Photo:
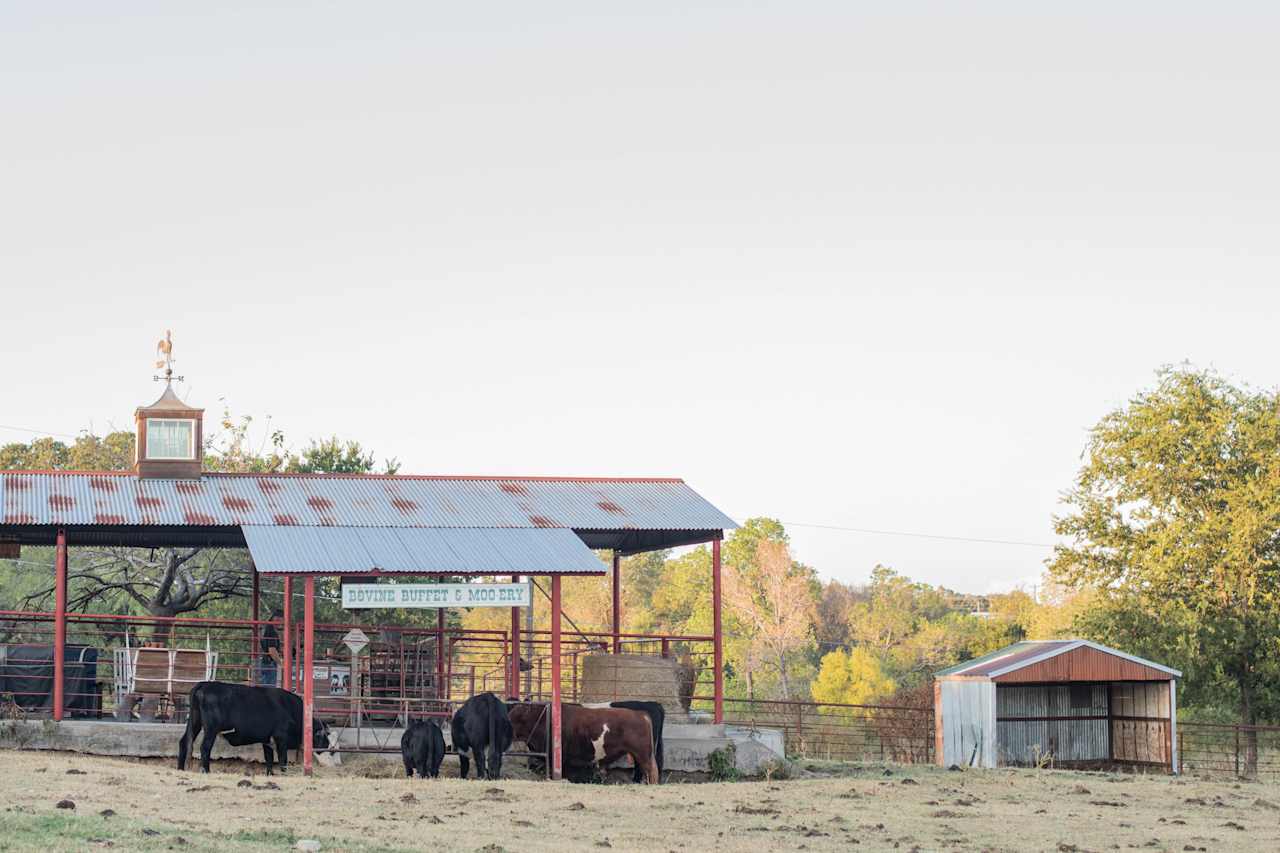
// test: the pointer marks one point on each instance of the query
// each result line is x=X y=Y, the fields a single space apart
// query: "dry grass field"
x=131 y=805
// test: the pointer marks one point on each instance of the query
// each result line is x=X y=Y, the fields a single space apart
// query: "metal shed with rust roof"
x=1065 y=702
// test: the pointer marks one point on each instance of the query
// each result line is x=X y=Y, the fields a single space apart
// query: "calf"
x=481 y=723
x=422 y=747
x=590 y=736
x=244 y=715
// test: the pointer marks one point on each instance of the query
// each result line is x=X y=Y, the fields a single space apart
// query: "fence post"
x=1180 y=751
x=1237 y=751
x=799 y=727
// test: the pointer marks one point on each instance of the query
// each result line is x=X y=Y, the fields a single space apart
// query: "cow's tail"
x=193 y=727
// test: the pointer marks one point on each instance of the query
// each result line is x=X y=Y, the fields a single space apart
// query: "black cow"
x=244 y=715
x=481 y=723
x=422 y=747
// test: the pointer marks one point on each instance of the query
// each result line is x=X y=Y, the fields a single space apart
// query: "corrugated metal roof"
x=1030 y=652
x=455 y=551
x=267 y=500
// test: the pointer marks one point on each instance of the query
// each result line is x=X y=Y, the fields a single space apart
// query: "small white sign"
x=356 y=640
x=423 y=595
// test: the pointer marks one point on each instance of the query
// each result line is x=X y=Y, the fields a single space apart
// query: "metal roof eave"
x=417 y=551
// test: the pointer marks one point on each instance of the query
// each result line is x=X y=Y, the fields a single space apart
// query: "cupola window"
x=171 y=438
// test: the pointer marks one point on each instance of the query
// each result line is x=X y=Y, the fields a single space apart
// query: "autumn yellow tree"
x=774 y=602
x=851 y=678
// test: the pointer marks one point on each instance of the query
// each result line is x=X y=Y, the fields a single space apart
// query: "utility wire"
x=916 y=535
x=37 y=431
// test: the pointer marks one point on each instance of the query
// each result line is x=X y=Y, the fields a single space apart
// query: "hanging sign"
x=356 y=640
x=420 y=595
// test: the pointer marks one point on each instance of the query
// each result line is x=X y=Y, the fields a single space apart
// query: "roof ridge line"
x=331 y=476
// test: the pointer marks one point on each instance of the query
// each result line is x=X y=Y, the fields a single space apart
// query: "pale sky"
x=874 y=265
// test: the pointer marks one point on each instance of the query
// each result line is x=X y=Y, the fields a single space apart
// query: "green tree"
x=851 y=678
x=335 y=456
x=1176 y=513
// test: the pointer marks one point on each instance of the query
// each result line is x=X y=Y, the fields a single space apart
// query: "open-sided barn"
x=1069 y=702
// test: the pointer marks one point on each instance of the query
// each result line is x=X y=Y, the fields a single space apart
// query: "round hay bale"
x=609 y=678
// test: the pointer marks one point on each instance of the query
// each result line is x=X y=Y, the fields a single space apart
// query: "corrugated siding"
x=1083 y=664
x=459 y=551
x=1146 y=741
x=1024 y=742
x=968 y=716
x=352 y=501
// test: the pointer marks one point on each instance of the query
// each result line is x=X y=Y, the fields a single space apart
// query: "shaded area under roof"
x=122 y=509
x=453 y=551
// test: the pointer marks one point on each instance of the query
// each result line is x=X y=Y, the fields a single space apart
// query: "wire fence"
x=132 y=667
x=1216 y=750
x=817 y=730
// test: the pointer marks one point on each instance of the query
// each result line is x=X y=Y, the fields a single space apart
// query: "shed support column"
x=617 y=604
x=442 y=691
x=717 y=637
x=288 y=680
x=308 y=677
x=557 y=758
x=256 y=649
x=1174 y=766
x=60 y=624
x=513 y=684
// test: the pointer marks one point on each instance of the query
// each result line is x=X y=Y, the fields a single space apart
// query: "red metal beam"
x=717 y=633
x=256 y=649
x=308 y=671
x=59 y=624
x=288 y=680
x=442 y=692
x=513 y=684
x=617 y=603
x=557 y=758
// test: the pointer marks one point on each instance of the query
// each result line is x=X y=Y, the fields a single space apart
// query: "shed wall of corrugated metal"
x=967 y=711
x=1024 y=742
x=354 y=501
x=454 y=551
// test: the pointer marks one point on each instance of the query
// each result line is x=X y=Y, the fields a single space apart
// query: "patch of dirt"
x=838 y=808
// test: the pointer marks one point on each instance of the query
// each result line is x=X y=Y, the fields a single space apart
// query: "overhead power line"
x=917 y=535
x=37 y=431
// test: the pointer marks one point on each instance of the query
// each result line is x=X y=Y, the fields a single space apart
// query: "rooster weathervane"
x=165 y=359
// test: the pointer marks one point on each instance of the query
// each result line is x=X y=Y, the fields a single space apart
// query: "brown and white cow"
x=589 y=736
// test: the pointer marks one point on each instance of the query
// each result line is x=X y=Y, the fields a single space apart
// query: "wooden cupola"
x=170 y=439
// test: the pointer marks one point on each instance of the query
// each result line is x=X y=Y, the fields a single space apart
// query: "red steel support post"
x=287 y=679
x=557 y=758
x=441 y=693
x=717 y=633
x=308 y=671
x=513 y=689
x=60 y=624
x=617 y=604
x=256 y=649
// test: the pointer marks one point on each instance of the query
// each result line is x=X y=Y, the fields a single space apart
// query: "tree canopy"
x=1174 y=522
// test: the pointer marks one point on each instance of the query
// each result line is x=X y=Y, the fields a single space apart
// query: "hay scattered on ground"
x=829 y=807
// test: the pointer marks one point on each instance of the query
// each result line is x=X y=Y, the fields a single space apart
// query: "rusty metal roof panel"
x=52 y=498
x=1030 y=653
x=452 y=551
